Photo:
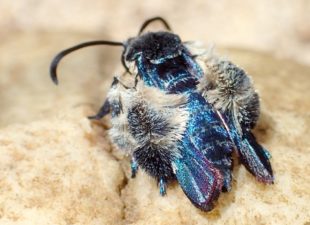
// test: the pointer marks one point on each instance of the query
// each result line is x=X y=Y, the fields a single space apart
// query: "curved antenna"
x=147 y=22
x=60 y=55
x=124 y=62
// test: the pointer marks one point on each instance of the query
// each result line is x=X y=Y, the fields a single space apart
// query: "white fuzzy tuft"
x=170 y=108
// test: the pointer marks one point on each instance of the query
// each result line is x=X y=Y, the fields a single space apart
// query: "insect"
x=181 y=113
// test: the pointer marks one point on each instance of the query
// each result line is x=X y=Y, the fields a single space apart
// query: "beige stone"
x=58 y=171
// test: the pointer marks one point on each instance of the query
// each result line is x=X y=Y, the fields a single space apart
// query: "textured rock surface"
x=58 y=172
x=58 y=168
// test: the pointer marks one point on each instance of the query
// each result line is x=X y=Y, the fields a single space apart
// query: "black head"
x=150 y=43
x=153 y=46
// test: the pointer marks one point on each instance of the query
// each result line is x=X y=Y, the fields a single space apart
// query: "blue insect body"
x=179 y=120
x=173 y=69
x=173 y=137
x=163 y=62
x=204 y=169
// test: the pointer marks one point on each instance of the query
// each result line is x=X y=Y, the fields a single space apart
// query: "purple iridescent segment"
x=198 y=178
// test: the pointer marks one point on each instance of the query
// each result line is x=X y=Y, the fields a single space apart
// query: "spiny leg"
x=134 y=168
x=104 y=110
x=162 y=187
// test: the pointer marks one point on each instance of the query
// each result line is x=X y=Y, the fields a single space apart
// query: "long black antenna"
x=60 y=55
x=147 y=22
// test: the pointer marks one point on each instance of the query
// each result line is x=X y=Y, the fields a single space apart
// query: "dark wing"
x=252 y=155
x=203 y=167
x=208 y=134
x=199 y=179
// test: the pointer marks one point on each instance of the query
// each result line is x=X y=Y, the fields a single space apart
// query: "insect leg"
x=134 y=168
x=104 y=110
x=162 y=187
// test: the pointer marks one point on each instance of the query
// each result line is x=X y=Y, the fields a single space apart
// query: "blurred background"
x=33 y=31
x=278 y=26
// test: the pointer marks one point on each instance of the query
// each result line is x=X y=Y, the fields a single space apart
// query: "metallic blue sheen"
x=174 y=75
x=204 y=164
x=203 y=168
x=253 y=156
x=134 y=168
x=162 y=187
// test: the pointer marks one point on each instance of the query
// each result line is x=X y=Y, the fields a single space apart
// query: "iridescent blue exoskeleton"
x=180 y=114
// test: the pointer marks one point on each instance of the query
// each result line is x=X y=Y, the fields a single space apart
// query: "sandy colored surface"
x=58 y=168
x=52 y=172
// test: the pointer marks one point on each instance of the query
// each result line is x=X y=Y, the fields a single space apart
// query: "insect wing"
x=252 y=155
x=199 y=179
x=207 y=133
x=256 y=159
